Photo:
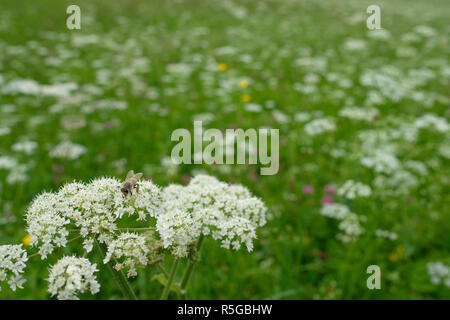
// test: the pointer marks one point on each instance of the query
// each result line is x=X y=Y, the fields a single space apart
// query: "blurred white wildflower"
x=439 y=273
x=18 y=174
x=26 y=147
x=12 y=263
x=417 y=166
x=319 y=126
x=353 y=189
x=169 y=167
x=379 y=34
x=302 y=116
x=424 y=31
x=381 y=161
x=349 y=221
x=7 y=162
x=399 y=183
x=444 y=150
x=355 y=44
x=386 y=234
x=350 y=227
x=73 y=122
x=127 y=251
x=26 y=86
x=335 y=210
x=209 y=207
x=355 y=113
x=253 y=107
x=67 y=150
x=71 y=276
x=430 y=120
x=4 y=131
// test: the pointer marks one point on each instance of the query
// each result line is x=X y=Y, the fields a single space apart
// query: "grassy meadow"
x=352 y=104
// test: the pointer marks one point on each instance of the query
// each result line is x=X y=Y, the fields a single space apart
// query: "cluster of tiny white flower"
x=127 y=251
x=45 y=224
x=12 y=263
x=319 y=126
x=94 y=208
x=431 y=120
x=208 y=206
x=71 y=276
x=400 y=183
x=381 y=162
x=386 y=234
x=355 y=113
x=335 y=210
x=67 y=150
x=439 y=273
x=349 y=221
x=352 y=189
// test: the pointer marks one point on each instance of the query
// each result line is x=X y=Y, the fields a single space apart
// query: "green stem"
x=122 y=282
x=190 y=268
x=173 y=270
x=161 y=268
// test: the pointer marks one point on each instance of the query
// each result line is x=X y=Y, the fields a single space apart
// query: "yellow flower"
x=222 y=66
x=393 y=256
x=26 y=240
x=398 y=253
x=243 y=84
x=246 y=98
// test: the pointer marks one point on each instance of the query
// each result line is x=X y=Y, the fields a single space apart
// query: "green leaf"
x=161 y=278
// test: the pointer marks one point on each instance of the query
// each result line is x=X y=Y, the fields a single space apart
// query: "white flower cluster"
x=335 y=210
x=386 y=234
x=352 y=189
x=319 y=126
x=381 y=162
x=207 y=206
x=349 y=221
x=400 y=183
x=355 y=113
x=12 y=263
x=27 y=147
x=67 y=150
x=93 y=207
x=127 y=251
x=439 y=273
x=431 y=120
x=71 y=276
x=45 y=223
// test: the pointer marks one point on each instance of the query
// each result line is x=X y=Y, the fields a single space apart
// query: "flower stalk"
x=173 y=271
x=190 y=268
x=121 y=281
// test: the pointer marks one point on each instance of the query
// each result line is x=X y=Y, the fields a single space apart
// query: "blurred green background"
x=142 y=69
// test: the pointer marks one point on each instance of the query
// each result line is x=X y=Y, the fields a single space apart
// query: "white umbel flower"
x=46 y=223
x=353 y=189
x=439 y=273
x=319 y=126
x=94 y=208
x=12 y=263
x=71 y=276
x=349 y=221
x=209 y=207
x=67 y=150
x=127 y=251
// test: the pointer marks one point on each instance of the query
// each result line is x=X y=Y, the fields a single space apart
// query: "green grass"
x=297 y=254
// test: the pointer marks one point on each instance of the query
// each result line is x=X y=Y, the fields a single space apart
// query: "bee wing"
x=137 y=176
x=130 y=174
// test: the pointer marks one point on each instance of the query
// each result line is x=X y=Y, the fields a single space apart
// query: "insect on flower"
x=131 y=182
